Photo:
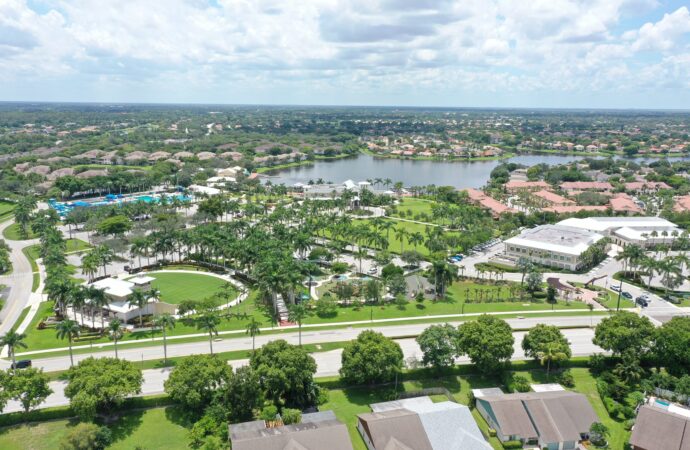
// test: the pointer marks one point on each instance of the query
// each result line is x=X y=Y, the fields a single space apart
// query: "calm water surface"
x=410 y=172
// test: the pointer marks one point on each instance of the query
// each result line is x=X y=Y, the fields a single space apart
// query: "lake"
x=411 y=172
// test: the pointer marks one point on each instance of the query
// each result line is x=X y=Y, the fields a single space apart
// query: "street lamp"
x=620 y=291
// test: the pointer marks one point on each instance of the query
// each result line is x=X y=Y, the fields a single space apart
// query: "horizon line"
x=306 y=105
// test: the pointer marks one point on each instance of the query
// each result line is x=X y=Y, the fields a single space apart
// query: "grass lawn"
x=177 y=287
x=348 y=402
x=414 y=206
x=33 y=252
x=12 y=233
x=150 y=428
x=453 y=304
x=6 y=209
x=409 y=227
x=46 y=339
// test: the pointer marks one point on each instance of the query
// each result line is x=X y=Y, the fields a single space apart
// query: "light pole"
x=620 y=291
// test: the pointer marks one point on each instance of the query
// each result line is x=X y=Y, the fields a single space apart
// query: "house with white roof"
x=118 y=292
x=420 y=424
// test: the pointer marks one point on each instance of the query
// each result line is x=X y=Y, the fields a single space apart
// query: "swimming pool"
x=64 y=208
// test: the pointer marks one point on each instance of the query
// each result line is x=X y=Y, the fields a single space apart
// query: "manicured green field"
x=12 y=233
x=157 y=428
x=415 y=206
x=33 y=252
x=6 y=209
x=394 y=245
x=177 y=287
x=453 y=304
x=46 y=339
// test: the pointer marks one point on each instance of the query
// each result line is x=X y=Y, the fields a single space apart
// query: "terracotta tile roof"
x=553 y=198
x=586 y=185
x=517 y=184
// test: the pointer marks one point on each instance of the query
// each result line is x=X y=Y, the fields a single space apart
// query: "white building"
x=118 y=292
x=643 y=231
x=551 y=245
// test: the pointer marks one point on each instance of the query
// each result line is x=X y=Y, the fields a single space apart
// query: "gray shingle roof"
x=657 y=429
x=552 y=416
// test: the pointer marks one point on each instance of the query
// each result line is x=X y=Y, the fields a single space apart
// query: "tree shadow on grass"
x=179 y=416
x=126 y=424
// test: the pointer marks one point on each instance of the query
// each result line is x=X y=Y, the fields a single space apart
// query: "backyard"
x=146 y=429
x=165 y=427
x=347 y=403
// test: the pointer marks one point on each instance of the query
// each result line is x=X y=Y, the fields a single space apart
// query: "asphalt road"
x=328 y=364
x=19 y=281
x=309 y=336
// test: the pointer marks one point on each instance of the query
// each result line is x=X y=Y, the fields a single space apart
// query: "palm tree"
x=444 y=274
x=552 y=354
x=99 y=300
x=13 y=341
x=400 y=235
x=138 y=299
x=165 y=321
x=115 y=331
x=296 y=314
x=253 y=329
x=68 y=329
x=208 y=321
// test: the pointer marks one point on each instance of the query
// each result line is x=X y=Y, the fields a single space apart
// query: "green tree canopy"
x=242 y=394
x=438 y=344
x=541 y=337
x=98 y=385
x=371 y=358
x=29 y=387
x=487 y=341
x=672 y=345
x=286 y=372
x=194 y=381
x=624 y=331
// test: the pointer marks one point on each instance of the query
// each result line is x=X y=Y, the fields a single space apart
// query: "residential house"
x=316 y=431
x=516 y=185
x=599 y=186
x=554 y=420
x=661 y=425
x=481 y=199
x=420 y=424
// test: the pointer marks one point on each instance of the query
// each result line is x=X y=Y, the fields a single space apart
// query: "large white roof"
x=114 y=286
x=608 y=223
x=556 y=238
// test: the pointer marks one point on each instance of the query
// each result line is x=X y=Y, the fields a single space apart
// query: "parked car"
x=641 y=301
x=372 y=271
x=615 y=288
x=22 y=364
x=627 y=294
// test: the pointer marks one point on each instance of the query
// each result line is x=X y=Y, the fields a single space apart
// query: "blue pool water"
x=63 y=208
x=663 y=403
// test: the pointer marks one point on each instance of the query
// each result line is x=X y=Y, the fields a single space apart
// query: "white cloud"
x=664 y=34
x=360 y=45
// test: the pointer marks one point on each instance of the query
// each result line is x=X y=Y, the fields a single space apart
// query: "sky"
x=447 y=53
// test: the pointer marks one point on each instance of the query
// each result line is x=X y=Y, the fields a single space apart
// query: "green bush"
x=518 y=383
x=291 y=416
x=268 y=413
x=598 y=363
x=86 y=436
x=510 y=445
x=566 y=379
x=492 y=432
